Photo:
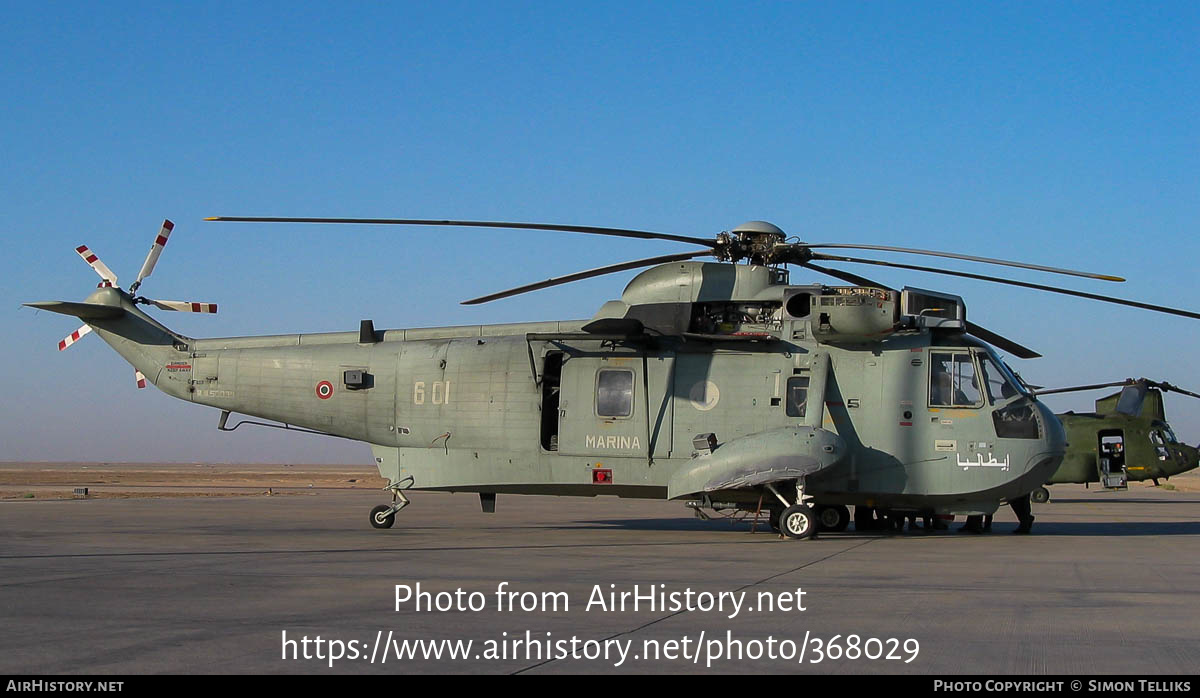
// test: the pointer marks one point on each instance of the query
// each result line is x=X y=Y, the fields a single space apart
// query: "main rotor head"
x=753 y=241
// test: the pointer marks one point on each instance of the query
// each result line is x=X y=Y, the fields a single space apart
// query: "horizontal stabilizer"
x=84 y=311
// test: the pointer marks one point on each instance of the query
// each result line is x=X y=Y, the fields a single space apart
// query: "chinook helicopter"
x=720 y=383
x=1126 y=439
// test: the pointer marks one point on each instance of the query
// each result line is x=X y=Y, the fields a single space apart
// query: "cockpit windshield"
x=1001 y=384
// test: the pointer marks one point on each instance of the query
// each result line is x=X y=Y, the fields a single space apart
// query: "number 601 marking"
x=439 y=393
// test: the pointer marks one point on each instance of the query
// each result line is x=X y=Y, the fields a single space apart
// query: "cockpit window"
x=1159 y=441
x=1000 y=385
x=953 y=381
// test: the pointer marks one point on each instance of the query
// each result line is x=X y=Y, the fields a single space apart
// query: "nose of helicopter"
x=1044 y=458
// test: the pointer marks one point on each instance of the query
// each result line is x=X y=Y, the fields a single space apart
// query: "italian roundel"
x=324 y=390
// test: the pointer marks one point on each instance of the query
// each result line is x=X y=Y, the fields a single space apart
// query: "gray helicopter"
x=720 y=384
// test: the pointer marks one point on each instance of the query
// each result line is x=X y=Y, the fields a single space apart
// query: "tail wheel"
x=1040 y=496
x=382 y=516
x=798 y=521
x=834 y=518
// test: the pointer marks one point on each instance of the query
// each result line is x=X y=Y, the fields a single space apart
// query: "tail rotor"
x=108 y=279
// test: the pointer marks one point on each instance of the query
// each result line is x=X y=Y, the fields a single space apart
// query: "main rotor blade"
x=846 y=276
x=1017 y=350
x=1011 y=282
x=94 y=262
x=1081 y=388
x=578 y=276
x=595 y=230
x=1165 y=387
x=155 y=251
x=969 y=258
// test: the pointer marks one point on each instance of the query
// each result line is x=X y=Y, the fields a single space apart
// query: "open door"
x=1111 y=460
x=615 y=405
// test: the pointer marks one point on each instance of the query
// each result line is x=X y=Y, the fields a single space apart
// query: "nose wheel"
x=798 y=521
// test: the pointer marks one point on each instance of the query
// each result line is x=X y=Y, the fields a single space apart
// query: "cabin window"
x=614 y=392
x=952 y=380
x=797 y=396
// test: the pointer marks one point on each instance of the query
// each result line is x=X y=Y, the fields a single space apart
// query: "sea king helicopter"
x=720 y=383
x=1127 y=439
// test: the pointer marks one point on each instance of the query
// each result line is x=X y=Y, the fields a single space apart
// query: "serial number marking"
x=439 y=393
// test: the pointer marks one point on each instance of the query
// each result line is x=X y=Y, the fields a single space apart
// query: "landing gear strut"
x=798 y=520
x=384 y=515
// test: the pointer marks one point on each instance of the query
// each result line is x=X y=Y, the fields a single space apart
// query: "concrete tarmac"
x=1106 y=584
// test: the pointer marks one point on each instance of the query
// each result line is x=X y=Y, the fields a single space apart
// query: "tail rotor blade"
x=94 y=262
x=155 y=251
x=184 y=306
x=74 y=337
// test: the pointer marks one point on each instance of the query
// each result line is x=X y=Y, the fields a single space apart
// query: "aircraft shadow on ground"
x=1122 y=500
x=1042 y=528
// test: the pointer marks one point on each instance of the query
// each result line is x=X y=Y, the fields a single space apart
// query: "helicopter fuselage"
x=1147 y=450
x=720 y=384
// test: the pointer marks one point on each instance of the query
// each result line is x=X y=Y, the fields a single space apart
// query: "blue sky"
x=1063 y=134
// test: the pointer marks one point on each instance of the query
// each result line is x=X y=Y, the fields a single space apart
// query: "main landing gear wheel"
x=833 y=518
x=382 y=516
x=1040 y=496
x=798 y=521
